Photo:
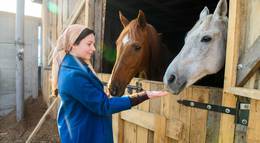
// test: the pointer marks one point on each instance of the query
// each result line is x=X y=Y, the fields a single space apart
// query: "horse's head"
x=132 y=57
x=203 y=52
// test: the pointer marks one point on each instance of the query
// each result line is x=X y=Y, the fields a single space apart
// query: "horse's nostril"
x=171 y=78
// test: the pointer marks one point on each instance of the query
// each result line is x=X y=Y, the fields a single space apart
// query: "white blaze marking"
x=126 y=39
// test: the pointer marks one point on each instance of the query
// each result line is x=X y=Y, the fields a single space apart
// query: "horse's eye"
x=136 y=47
x=206 y=38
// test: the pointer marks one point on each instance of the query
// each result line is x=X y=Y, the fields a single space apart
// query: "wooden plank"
x=249 y=63
x=253 y=33
x=75 y=14
x=142 y=133
x=245 y=92
x=215 y=97
x=129 y=132
x=166 y=107
x=171 y=110
x=81 y=18
x=120 y=129
x=160 y=129
x=174 y=129
x=227 y=125
x=130 y=129
x=65 y=12
x=148 y=121
x=45 y=46
x=115 y=126
x=254 y=116
x=99 y=23
x=198 y=120
x=185 y=115
x=155 y=106
x=253 y=23
x=89 y=13
x=60 y=17
x=254 y=125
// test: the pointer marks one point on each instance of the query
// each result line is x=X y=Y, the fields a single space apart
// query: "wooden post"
x=227 y=125
x=45 y=47
x=99 y=25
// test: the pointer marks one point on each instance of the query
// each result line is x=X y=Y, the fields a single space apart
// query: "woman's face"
x=86 y=47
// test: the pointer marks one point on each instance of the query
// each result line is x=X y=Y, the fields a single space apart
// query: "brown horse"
x=138 y=52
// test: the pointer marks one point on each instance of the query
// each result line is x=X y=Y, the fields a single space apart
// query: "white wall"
x=8 y=62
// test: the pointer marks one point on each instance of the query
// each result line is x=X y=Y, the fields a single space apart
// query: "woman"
x=85 y=113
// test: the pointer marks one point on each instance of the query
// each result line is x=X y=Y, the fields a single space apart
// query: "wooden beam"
x=43 y=118
x=148 y=121
x=89 y=13
x=245 y=92
x=72 y=19
x=249 y=63
x=227 y=126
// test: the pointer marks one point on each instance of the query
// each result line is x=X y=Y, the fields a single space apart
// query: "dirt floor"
x=13 y=132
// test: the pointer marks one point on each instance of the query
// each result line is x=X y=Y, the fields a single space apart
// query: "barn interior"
x=172 y=18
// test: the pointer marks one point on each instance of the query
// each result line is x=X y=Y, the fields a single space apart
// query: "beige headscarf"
x=64 y=45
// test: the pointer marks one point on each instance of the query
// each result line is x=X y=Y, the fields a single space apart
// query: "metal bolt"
x=239 y=66
x=227 y=110
x=244 y=121
x=209 y=107
x=192 y=103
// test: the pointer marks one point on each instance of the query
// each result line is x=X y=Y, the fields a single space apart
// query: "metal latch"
x=138 y=87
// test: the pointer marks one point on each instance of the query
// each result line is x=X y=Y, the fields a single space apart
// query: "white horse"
x=203 y=52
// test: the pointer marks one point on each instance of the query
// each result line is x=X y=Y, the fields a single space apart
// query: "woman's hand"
x=155 y=94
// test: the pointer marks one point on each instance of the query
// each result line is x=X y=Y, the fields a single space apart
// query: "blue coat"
x=85 y=112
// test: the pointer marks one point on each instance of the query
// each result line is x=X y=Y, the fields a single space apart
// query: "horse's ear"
x=123 y=20
x=204 y=12
x=221 y=9
x=141 y=18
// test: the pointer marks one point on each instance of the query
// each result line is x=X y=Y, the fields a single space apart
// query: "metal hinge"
x=241 y=113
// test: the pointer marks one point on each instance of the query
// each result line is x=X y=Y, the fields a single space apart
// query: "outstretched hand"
x=155 y=94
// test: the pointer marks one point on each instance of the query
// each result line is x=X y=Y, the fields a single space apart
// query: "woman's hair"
x=83 y=34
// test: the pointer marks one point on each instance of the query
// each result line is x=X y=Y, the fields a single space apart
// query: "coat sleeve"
x=82 y=89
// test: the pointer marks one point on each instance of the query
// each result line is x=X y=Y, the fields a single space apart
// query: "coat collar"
x=76 y=63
